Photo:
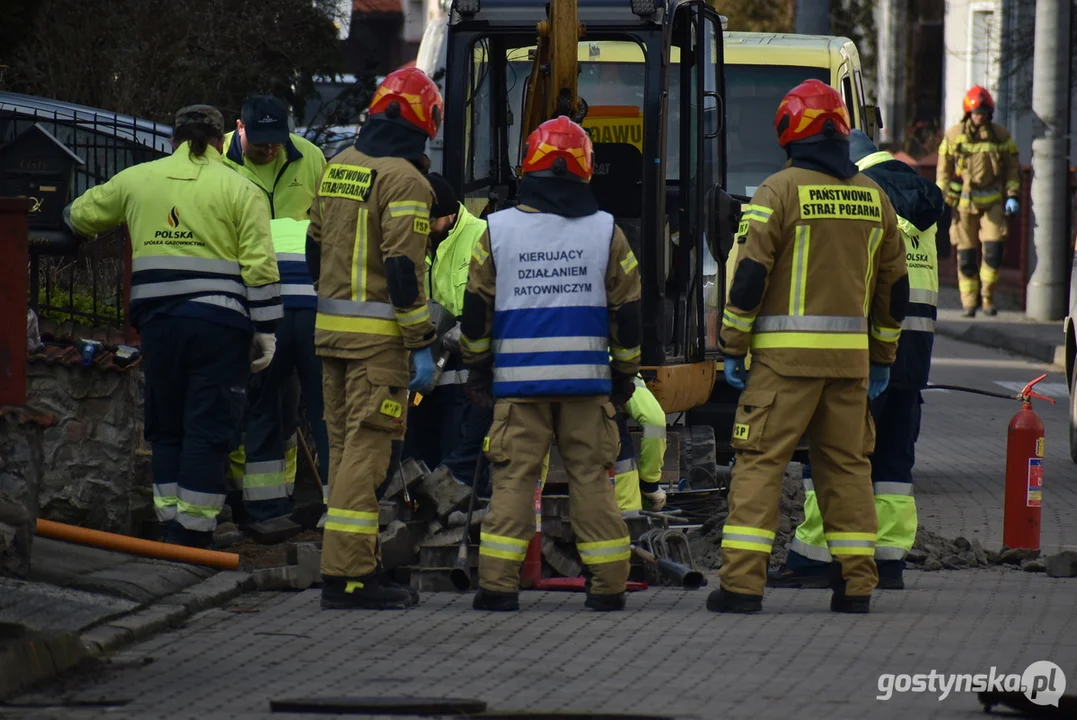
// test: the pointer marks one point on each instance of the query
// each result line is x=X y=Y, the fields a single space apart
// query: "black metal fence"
x=86 y=287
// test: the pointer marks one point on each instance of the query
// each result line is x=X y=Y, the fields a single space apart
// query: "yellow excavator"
x=645 y=77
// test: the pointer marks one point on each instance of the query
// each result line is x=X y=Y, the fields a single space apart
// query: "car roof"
x=125 y=127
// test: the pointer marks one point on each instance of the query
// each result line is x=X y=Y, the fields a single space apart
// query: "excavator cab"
x=648 y=87
x=645 y=78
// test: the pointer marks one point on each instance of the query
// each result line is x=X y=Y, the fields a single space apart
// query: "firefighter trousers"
x=774 y=412
x=519 y=442
x=366 y=405
x=897 y=422
x=978 y=272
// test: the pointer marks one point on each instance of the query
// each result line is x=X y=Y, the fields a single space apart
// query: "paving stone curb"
x=37 y=656
x=993 y=337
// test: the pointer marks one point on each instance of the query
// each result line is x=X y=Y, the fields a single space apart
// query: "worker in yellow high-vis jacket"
x=639 y=477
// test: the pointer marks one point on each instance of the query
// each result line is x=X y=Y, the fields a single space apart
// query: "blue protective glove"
x=878 y=379
x=422 y=370
x=735 y=372
x=1011 y=206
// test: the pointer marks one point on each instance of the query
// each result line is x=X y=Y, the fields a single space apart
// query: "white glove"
x=451 y=340
x=263 y=346
x=657 y=498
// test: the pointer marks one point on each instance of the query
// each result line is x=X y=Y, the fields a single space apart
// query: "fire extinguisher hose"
x=974 y=391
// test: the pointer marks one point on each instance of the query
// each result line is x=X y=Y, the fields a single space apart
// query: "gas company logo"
x=1042 y=682
x=173 y=221
x=294 y=183
x=915 y=242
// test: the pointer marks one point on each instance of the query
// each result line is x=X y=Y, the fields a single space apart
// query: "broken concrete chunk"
x=307 y=557
x=932 y=563
x=457 y=518
x=1062 y=565
x=1014 y=556
x=397 y=548
x=1033 y=566
x=280 y=578
x=453 y=536
x=561 y=560
x=388 y=511
x=979 y=552
x=443 y=491
x=414 y=472
x=916 y=556
x=961 y=543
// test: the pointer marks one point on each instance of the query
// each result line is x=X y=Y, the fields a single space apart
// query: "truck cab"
x=759 y=69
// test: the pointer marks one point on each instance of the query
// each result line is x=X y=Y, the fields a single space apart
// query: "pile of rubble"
x=930 y=552
x=706 y=542
x=934 y=552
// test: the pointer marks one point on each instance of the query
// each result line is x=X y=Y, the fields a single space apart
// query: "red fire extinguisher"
x=1024 y=474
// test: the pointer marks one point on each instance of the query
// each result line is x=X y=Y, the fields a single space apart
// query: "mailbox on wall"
x=37 y=166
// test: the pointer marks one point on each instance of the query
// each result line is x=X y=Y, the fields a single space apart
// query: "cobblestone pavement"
x=666 y=656
x=961 y=456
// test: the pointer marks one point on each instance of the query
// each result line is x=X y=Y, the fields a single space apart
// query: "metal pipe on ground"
x=682 y=575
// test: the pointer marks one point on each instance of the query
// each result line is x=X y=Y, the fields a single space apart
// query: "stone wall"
x=96 y=468
x=21 y=469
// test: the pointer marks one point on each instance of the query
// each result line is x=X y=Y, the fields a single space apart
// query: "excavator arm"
x=552 y=89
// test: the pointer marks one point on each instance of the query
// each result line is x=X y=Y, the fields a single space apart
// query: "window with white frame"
x=983 y=58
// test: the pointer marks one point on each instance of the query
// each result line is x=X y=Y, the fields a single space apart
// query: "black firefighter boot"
x=610 y=602
x=496 y=601
x=726 y=601
x=369 y=592
x=600 y=603
x=839 y=601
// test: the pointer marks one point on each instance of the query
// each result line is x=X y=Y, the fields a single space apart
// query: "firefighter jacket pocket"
x=610 y=436
x=387 y=407
x=869 y=432
x=494 y=444
x=750 y=423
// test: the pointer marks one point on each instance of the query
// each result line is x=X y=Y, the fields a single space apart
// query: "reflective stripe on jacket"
x=913 y=194
x=617 y=343
x=817 y=262
x=979 y=164
x=290 y=243
x=551 y=323
x=198 y=232
x=371 y=219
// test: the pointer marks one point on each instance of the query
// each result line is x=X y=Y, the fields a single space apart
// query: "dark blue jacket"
x=919 y=201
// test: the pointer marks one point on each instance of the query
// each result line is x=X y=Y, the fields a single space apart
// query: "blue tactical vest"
x=551 y=323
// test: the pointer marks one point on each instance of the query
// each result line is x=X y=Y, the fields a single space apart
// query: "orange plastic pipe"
x=137 y=546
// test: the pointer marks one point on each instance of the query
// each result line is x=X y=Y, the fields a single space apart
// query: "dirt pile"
x=706 y=542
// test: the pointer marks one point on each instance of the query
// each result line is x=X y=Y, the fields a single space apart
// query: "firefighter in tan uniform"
x=978 y=168
x=367 y=251
x=551 y=329
x=818 y=297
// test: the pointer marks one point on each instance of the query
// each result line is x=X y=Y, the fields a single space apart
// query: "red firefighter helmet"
x=978 y=99
x=810 y=109
x=560 y=147
x=409 y=95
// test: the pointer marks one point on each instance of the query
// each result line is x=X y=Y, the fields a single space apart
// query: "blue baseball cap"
x=265 y=120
